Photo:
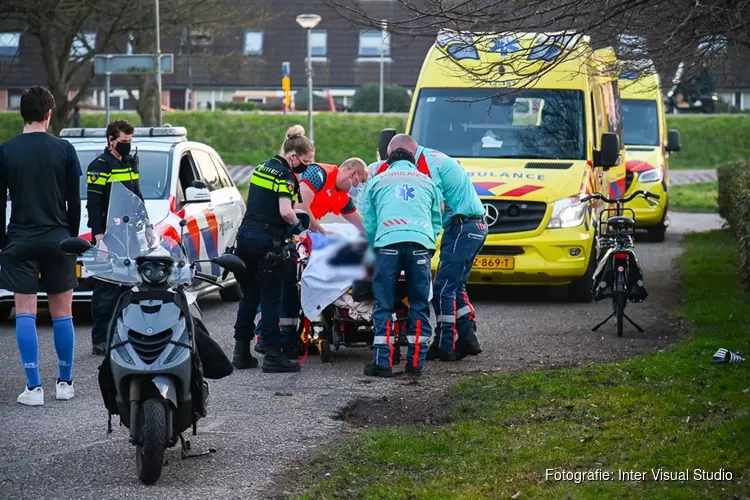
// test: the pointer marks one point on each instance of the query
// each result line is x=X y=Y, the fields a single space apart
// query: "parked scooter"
x=153 y=373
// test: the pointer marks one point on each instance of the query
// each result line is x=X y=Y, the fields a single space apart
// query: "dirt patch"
x=416 y=406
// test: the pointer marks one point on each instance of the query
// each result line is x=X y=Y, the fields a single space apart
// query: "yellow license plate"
x=78 y=270
x=494 y=262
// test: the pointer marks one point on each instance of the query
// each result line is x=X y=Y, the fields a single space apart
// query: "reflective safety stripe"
x=288 y=321
x=419 y=338
x=123 y=177
x=383 y=339
x=446 y=319
x=97 y=178
x=464 y=311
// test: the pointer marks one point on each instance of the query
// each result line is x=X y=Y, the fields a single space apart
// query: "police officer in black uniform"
x=269 y=220
x=114 y=164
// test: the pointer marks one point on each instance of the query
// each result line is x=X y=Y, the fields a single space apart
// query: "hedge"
x=246 y=138
x=249 y=138
x=734 y=206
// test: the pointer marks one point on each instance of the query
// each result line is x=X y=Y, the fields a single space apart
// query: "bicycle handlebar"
x=599 y=196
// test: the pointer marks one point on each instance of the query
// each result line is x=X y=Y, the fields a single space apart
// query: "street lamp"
x=383 y=34
x=158 y=65
x=308 y=22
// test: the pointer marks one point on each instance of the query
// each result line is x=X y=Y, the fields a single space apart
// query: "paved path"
x=260 y=422
x=241 y=174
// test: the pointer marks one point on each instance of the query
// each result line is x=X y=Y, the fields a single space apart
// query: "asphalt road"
x=261 y=423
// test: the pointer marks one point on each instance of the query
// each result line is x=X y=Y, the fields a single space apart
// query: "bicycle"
x=618 y=274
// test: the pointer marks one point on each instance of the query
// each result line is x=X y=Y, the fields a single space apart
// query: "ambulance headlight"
x=568 y=212
x=653 y=175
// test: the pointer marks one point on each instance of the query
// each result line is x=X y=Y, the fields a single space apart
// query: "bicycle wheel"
x=619 y=300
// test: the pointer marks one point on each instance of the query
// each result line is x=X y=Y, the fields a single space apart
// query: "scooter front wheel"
x=149 y=457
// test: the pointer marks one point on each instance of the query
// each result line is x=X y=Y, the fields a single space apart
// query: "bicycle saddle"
x=620 y=223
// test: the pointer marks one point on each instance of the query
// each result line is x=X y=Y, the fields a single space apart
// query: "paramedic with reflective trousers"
x=464 y=233
x=115 y=164
x=269 y=219
x=401 y=212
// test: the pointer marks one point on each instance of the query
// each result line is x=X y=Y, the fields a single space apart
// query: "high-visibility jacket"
x=329 y=199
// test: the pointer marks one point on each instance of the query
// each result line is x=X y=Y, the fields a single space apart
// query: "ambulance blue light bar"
x=167 y=131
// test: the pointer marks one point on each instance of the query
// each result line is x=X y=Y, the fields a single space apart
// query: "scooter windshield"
x=132 y=249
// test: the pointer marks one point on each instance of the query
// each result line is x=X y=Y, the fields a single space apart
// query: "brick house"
x=245 y=64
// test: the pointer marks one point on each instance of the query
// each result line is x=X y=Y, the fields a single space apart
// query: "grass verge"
x=673 y=411
x=699 y=197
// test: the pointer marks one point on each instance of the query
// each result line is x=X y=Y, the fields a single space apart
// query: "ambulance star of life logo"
x=505 y=45
x=405 y=192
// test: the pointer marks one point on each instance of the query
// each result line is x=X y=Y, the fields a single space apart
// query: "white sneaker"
x=34 y=397
x=63 y=390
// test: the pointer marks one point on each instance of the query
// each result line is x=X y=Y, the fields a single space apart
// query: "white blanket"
x=323 y=283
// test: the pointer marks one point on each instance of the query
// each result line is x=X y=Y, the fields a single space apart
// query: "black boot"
x=378 y=371
x=414 y=372
x=242 y=359
x=436 y=353
x=468 y=345
x=276 y=362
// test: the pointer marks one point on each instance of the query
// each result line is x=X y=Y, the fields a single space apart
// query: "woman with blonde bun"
x=270 y=216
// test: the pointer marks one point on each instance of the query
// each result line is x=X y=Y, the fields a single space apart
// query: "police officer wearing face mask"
x=115 y=164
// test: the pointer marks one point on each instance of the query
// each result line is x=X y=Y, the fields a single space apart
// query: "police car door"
x=224 y=214
x=200 y=234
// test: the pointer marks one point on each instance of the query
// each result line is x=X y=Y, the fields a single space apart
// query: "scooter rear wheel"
x=149 y=457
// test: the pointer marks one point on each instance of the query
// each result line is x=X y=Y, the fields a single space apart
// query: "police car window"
x=491 y=123
x=226 y=181
x=154 y=169
x=207 y=169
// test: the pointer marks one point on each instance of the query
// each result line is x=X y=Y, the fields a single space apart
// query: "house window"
x=14 y=98
x=82 y=44
x=9 y=43
x=253 y=43
x=711 y=47
x=319 y=43
x=369 y=44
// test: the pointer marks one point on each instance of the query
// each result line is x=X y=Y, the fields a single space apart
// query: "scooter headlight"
x=653 y=175
x=567 y=212
x=155 y=271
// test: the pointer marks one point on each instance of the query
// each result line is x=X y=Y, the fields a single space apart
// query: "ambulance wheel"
x=231 y=293
x=325 y=351
x=656 y=233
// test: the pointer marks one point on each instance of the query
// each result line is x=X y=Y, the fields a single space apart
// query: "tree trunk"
x=147 y=101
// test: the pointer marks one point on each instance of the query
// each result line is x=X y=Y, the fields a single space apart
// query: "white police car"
x=169 y=163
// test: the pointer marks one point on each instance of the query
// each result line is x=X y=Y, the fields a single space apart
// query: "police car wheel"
x=231 y=293
x=5 y=310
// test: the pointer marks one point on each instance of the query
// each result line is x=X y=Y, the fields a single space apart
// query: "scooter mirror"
x=230 y=262
x=75 y=245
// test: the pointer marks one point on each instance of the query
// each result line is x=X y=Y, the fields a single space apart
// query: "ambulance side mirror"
x=609 y=154
x=673 y=141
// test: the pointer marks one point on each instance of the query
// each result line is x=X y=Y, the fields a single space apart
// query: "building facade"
x=213 y=66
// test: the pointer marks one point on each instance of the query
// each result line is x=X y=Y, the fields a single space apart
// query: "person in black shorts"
x=42 y=173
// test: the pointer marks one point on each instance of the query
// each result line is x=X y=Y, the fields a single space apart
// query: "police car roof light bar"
x=167 y=131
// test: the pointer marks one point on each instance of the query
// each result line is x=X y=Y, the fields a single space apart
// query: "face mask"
x=300 y=169
x=122 y=148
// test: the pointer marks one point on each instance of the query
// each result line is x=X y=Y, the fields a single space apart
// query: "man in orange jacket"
x=324 y=190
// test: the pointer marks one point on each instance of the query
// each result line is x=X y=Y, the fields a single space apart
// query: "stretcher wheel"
x=325 y=351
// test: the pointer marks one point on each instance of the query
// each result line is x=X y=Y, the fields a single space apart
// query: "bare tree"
x=59 y=26
x=695 y=33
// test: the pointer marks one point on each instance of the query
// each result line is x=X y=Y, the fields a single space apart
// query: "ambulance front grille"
x=511 y=216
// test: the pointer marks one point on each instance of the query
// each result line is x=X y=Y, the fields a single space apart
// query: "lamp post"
x=308 y=22
x=158 y=66
x=383 y=34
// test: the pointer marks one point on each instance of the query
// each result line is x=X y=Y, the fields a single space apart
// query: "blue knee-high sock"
x=64 y=345
x=28 y=345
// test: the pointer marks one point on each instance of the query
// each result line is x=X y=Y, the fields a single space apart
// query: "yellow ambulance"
x=535 y=119
x=647 y=145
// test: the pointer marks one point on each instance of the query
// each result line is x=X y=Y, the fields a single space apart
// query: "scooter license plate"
x=494 y=262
